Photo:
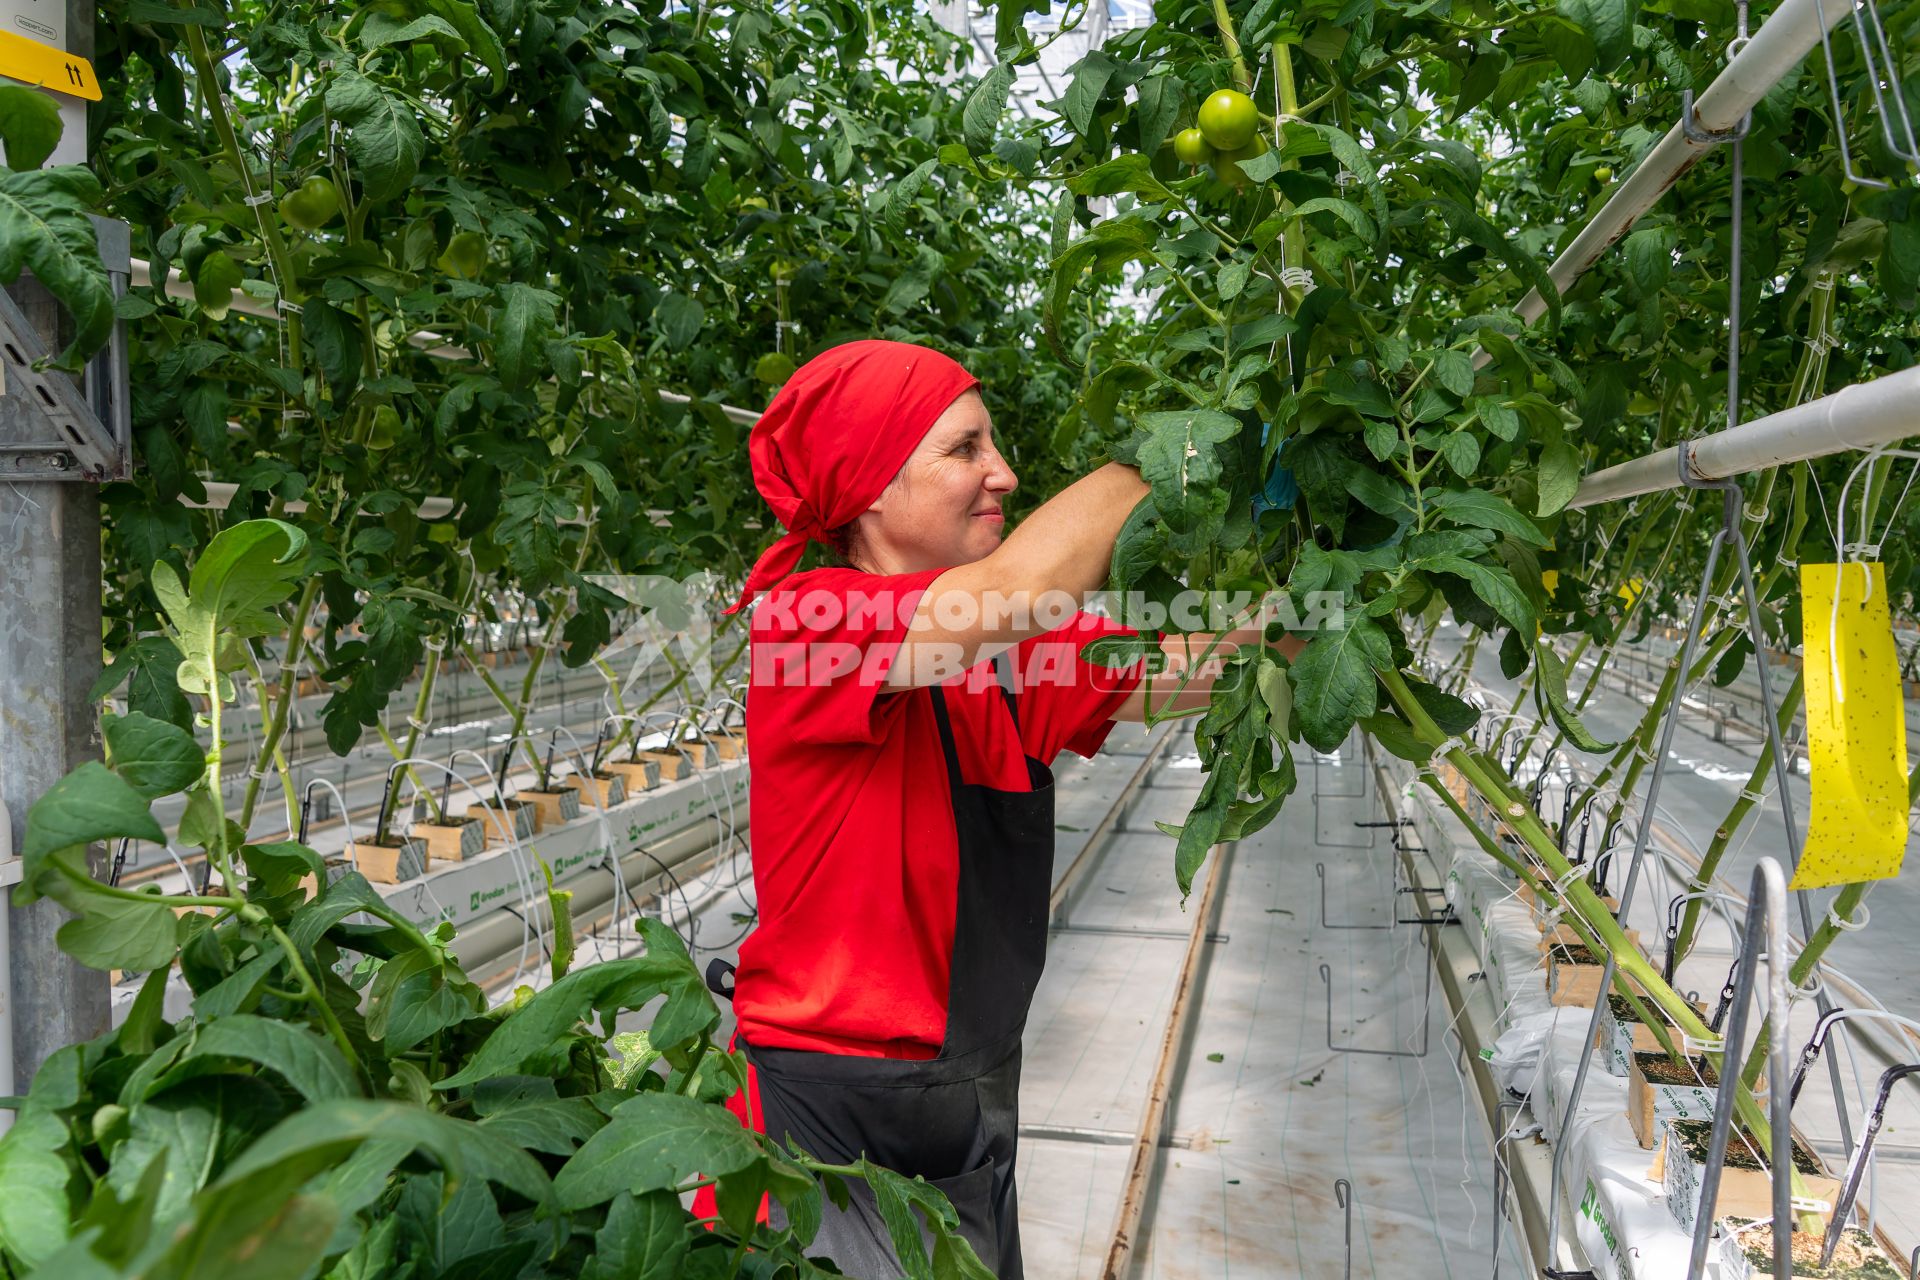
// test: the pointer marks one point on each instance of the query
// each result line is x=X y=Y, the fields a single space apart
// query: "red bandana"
x=835 y=437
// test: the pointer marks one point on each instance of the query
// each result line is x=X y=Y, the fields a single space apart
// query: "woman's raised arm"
x=1027 y=586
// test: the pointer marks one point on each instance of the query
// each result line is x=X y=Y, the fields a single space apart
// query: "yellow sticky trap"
x=1856 y=727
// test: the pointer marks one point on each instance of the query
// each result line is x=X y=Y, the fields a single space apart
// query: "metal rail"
x=1146 y=1141
x=1865 y=415
x=1781 y=44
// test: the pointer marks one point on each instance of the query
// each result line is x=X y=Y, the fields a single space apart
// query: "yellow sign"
x=1856 y=727
x=46 y=67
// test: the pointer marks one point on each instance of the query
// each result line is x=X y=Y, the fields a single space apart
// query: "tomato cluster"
x=1227 y=131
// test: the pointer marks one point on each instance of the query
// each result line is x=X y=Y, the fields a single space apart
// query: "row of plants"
x=517 y=261
x=495 y=235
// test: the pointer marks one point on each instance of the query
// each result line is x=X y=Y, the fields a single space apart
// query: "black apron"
x=952 y=1119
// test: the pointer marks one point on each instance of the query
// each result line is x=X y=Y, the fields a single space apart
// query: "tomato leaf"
x=1159 y=106
x=34 y=1209
x=527 y=316
x=1559 y=474
x=1354 y=158
x=980 y=118
x=653 y=1142
x=44 y=229
x=1483 y=510
x=1130 y=172
x=383 y=134
x=153 y=757
x=644 y=1238
x=1345 y=210
x=1334 y=683
x=607 y=988
x=1494 y=586
x=1179 y=460
x=1553 y=686
x=29 y=126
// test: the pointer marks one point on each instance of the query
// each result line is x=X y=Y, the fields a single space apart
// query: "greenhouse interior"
x=1035 y=638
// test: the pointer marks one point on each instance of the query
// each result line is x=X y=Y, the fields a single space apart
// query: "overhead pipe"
x=1865 y=415
x=1781 y=44
x=434 y=344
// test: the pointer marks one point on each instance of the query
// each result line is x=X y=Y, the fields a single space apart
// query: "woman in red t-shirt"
x=904 y=710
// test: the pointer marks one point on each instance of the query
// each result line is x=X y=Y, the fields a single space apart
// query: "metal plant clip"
x=1821 y=1031
x=1862 y=1156
x=306 y=807
x=1674 y=908
x=1728 y=991
x=386 y=802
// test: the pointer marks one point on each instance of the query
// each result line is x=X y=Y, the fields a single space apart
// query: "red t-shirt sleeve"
x=825 y=639
x=1066 y=702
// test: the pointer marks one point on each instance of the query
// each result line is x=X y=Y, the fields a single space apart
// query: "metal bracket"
x=88 y=428
x=1320 y=870
x=1857 y=1166
x=1426 y=1020
x=1690 y=125
x=1343 y=1196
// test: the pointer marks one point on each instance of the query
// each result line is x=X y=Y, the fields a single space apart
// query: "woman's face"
x=943 y=508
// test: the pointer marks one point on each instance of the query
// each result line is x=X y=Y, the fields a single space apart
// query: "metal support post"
x=49 y=659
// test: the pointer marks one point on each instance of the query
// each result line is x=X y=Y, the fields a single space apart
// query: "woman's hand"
x=1186 y=685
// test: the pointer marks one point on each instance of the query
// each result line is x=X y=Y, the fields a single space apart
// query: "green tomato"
x=466 y=255
x=1229 y=119
x=311 y=205
x=1227 y=163
x=773 y=368
x=1190 y=146
x=1603 y=175
x=386 y=428
x=109 y=1123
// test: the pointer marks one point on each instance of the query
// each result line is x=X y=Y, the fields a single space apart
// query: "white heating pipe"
x=1862 y=416
x=1781 y=44
x=141 y=276
x=220 y=497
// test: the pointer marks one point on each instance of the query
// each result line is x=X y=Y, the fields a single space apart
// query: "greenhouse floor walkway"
x=1263 y=1118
